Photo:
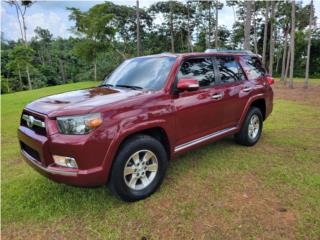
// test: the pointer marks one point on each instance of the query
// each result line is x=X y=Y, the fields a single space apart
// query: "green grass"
x=312 y=81
x=219 y=191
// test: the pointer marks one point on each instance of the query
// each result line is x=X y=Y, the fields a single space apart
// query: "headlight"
x=77 y=125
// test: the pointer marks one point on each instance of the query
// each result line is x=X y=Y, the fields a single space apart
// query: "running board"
x=203 y=139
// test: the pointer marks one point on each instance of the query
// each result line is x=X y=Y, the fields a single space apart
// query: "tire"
x=132 y=177
x=249 y=135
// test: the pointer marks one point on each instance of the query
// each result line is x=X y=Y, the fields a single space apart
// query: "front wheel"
x=139 y=168
x=251 y=129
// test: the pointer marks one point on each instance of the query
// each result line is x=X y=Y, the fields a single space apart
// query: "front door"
x=198 y=113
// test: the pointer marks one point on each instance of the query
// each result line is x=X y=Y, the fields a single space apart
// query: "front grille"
x=38 y=125
x=33 y=153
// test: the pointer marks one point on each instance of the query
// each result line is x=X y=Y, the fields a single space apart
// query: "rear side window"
x=253 y=67
x=230 y=70
x=200 y=69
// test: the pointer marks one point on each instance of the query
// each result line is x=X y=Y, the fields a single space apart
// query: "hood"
x=80 y=101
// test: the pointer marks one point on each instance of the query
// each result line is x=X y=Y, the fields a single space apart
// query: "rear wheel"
x=139 y=168
x=251 y=129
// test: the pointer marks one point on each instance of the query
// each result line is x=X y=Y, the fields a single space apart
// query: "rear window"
x=253 y=67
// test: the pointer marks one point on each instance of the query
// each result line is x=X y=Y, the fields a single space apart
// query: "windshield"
x=141 y=73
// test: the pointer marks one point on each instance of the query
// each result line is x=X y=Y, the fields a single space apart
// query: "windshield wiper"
x=129 y=86
x=106 y=85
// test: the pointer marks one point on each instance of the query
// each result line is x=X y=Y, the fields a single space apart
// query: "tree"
x=311 y=20
x=138 y=30
x=293 y=19
x=175 y=25
x=247 y=25
x=272 y=37
x=218 y=6
x=171 y=25
x=42 y=42
x=94 y=25
x=21 y=9
x=21 y=56
x=190 y=48
x=265 y=35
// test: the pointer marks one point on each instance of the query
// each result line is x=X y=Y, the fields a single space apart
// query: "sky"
x=53 y=15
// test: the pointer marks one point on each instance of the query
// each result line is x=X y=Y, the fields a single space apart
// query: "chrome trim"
x=52 y=171
x=33 y=121
x=203 y=139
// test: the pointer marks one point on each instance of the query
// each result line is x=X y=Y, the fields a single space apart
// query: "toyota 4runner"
x=147 y=111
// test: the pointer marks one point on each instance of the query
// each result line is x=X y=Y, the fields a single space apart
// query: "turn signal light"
x=94 y=123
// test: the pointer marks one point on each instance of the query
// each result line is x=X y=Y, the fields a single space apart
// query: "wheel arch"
x=261 y=104
x=158 y=132
x=255 y=101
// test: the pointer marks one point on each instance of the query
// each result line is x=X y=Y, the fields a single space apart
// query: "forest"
x=108 y=33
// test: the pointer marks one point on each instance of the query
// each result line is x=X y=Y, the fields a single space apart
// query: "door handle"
x=217 y=96
x=247 y=89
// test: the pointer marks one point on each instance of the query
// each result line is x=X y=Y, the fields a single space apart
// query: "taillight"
x=270 y=80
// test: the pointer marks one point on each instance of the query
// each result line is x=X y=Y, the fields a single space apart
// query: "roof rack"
x=213 y=50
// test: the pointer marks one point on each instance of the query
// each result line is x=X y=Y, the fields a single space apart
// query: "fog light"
x=65 y=161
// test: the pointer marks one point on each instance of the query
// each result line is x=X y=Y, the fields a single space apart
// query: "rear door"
x=234 y=87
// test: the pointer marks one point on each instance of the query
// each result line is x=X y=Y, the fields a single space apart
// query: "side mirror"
x=188 y=84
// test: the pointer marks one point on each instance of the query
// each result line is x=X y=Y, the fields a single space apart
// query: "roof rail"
x=213 y=50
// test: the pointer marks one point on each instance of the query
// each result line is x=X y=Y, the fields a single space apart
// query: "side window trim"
x=216 y=71
x=238 y=60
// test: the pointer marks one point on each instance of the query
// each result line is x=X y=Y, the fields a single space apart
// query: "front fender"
x=125 y=131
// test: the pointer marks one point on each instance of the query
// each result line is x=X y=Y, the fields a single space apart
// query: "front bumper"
x=45 y=165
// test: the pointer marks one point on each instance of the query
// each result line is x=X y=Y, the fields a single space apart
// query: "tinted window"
x=230 y=70
x=145 y=72
x=253 y=67
x=200 y=69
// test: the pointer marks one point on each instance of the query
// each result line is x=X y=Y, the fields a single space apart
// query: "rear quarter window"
x=252 y=67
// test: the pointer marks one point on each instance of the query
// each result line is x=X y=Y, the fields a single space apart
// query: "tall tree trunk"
x=255 y=34
x=247 y=25
x=287 y=66
x=283 y=67
x=63 y=75
x=278 y=61
x=138 y=30
x=171 y=26
x=20 y=77
x=265 y=34
x=306 y=80
x=29 y=79
x=95 y=69
x=293 y=19
x=20 y=23
x=190 y=49
x=271 y=52
x=217 y=25
x=209 y=26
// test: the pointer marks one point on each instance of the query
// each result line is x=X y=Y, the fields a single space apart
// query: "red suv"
x=147 y=111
